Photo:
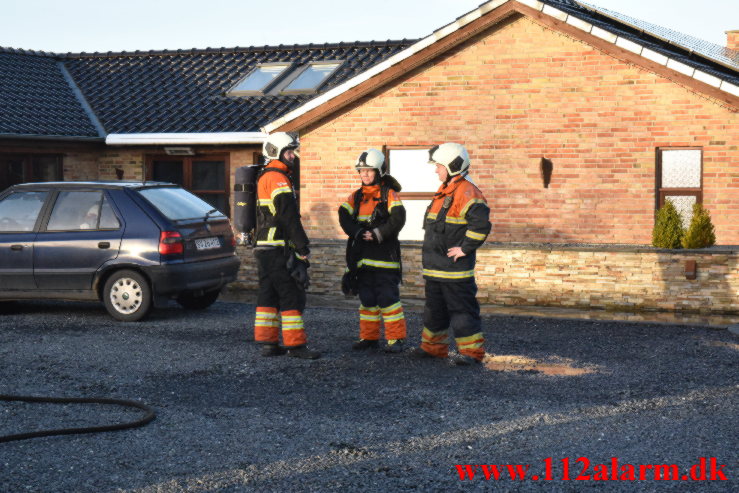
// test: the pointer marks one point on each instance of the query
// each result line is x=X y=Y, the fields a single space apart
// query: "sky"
x=63 y=26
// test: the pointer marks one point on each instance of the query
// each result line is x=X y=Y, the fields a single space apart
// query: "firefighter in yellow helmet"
x=372 y=217
x=456 y=224
x=281 y=253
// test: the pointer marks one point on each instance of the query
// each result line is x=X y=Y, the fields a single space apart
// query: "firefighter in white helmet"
x=456 y=224
x=372 y=217
x=281 y=253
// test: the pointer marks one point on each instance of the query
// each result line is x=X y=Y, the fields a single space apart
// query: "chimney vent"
x=732 y=40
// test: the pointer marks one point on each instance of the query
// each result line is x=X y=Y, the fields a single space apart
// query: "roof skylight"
x=259 y=79
x=311 y=78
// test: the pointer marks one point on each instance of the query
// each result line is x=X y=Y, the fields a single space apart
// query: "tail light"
x=171 y=243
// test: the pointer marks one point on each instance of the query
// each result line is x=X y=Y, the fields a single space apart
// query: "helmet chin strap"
x=450 y=177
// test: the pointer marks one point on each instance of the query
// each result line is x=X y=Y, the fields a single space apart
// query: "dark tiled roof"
x=184 y=91
x=680 y=47
x=718 y=53
x=36 y=100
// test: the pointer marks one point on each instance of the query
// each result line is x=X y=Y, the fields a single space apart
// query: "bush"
x=668 y=228
x=701 y=232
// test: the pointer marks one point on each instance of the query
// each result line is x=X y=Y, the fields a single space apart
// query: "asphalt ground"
x=596 y=396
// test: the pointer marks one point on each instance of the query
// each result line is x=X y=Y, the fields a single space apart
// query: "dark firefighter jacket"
x=278 y=220
x=385 y=252
x=457 y=216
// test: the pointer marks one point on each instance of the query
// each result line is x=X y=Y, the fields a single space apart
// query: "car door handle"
x=16 y=247
x=104 y=244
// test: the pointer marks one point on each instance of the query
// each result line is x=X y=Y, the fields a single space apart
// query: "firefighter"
x=281 y=253
x=456 y=223
x=372 y=217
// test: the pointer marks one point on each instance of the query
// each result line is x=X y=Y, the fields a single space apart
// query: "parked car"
x=132 y=245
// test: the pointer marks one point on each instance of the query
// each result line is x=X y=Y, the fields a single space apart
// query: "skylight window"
x=260 y=79
x=311 y=78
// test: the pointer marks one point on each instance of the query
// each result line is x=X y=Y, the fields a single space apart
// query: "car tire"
x=8 y=307
x=191 y=301
x=127 y=296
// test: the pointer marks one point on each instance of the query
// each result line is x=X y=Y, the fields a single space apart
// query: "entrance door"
x=204 y=175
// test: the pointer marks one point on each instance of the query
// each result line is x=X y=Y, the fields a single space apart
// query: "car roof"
x=92 y=184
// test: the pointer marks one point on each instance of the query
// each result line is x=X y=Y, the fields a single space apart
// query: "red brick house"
x=621 y=123
x=580 y=122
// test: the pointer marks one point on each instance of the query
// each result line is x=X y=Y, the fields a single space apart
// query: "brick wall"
x=521 y=92
x=130 y=160
x=80 y=166
x=623 y=278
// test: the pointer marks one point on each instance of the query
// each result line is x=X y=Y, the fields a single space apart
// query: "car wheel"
x=197 y=302
x=127 y=296
x=8 y=307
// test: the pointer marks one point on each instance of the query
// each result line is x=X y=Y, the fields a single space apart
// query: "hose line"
x=150 y=415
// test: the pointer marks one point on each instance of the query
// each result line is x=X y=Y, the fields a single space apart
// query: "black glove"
x=350 y=284
x=298 y=269
x=299 y=272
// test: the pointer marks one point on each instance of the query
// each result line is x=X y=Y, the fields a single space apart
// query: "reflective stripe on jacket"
x=457 y=216
x=383 y=254
x=278 y=220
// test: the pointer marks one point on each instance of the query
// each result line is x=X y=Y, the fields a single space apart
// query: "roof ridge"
x=209 y=50
x=21 y=51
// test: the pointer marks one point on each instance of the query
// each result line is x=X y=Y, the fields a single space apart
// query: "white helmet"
x=452 y=156
x=372 y=159
x=278 y=142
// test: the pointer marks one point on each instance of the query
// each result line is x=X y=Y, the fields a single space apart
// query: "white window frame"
x=284 y=87
x=416 y=193
x=235 y=91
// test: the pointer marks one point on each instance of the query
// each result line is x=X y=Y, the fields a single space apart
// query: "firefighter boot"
x=363 y=344
x=419 y=353
x=463 y=360
x=395 y=346
x=303 y=352
x=273 y=350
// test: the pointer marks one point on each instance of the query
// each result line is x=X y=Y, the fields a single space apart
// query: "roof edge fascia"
x=565 y=18
x=201 y=138
x=381 y=67
x=59 y=138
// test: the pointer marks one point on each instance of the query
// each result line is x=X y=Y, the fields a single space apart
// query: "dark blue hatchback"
x=132 y=245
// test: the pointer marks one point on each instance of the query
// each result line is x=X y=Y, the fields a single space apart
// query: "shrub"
x=700 y=233
x=668 y=228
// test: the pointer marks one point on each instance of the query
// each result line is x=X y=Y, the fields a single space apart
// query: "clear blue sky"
x=86 y=25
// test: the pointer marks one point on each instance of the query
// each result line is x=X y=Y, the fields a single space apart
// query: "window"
x=409 y=165
x=19 y=210
x=312 y=77
x=76 y=210
x=259 y=80
x=205 y=176
x=22 y=168
x=680 y=179
x=176 y=203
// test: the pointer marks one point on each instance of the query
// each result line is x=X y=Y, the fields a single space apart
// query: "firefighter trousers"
x=279 y=295
x=379 y=296
x=452 y=305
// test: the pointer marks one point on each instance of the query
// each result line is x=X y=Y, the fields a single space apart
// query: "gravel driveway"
x=229 y=420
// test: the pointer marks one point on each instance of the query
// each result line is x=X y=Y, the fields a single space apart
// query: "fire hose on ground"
x=150 y=415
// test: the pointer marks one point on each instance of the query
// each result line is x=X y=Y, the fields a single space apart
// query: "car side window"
x=76 y=211
x=108 y=219
x=19 y=210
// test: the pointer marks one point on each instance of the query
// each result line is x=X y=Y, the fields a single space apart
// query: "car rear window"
x=177 y=203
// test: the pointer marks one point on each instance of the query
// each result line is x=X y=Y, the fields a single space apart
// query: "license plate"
x=207 y=243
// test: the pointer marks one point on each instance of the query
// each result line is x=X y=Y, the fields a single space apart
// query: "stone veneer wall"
x=609 y=277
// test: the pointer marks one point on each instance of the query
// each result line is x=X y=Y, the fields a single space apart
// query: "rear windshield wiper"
x=207 y=214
